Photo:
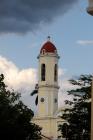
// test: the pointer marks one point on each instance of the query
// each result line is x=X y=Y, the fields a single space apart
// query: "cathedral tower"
x=48 y=92
x=48 y=80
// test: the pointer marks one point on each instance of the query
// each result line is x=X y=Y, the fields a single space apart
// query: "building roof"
x=48 y=47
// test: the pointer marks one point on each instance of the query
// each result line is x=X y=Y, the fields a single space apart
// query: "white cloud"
x=61 y=72
x=85 y=42
x=16 y=78
x=20 y=80
x=24 y=81
x=64 y=87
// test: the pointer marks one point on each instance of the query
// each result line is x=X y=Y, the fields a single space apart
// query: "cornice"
x=48 y=55
x=49 y=86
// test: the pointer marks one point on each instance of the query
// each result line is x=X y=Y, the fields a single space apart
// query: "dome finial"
x=48 y=38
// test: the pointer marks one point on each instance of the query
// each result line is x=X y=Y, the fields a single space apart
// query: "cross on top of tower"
x=48 y=38
x=48 y=47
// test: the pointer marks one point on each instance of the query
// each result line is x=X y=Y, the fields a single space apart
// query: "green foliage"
x=35 y=91
x=15 y=117
x=78 y=115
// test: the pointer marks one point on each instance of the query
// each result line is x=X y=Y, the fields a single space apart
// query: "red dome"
x=48 y=47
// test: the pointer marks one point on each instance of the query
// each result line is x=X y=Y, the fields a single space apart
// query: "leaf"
x=36 y=101
x=34 y=92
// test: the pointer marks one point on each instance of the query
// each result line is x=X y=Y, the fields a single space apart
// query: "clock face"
x=42 y=99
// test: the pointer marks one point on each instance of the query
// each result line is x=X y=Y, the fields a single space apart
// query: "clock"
x=42 y=99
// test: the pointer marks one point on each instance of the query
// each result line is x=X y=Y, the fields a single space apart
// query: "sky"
x=24 y=27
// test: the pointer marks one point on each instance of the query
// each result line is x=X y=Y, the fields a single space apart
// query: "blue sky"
x=72 y=34
x=65 y=32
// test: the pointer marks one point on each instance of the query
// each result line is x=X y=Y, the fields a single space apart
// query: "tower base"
x=49 y=127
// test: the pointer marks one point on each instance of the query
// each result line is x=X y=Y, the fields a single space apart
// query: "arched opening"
x=43 y=51
x=43 y=71
x=55 y=73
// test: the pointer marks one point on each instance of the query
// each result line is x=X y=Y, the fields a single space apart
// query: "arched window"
x=55 y=73
x=43 y=51
x=43 y=72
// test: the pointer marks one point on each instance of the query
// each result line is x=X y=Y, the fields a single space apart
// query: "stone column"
x=90 y=7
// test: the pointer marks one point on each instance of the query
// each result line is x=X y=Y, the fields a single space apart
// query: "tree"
x=34 y=92
x=78 y=115
x=15 y=117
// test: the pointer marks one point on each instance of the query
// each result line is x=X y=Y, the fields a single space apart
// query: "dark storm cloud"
x=21 y=16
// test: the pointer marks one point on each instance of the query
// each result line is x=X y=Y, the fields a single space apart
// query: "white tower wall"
x=49 y=60
x=47 y=118
x=48 y=89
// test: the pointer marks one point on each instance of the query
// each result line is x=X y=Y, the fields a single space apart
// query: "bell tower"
x=48 y=80
x=47 y=117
